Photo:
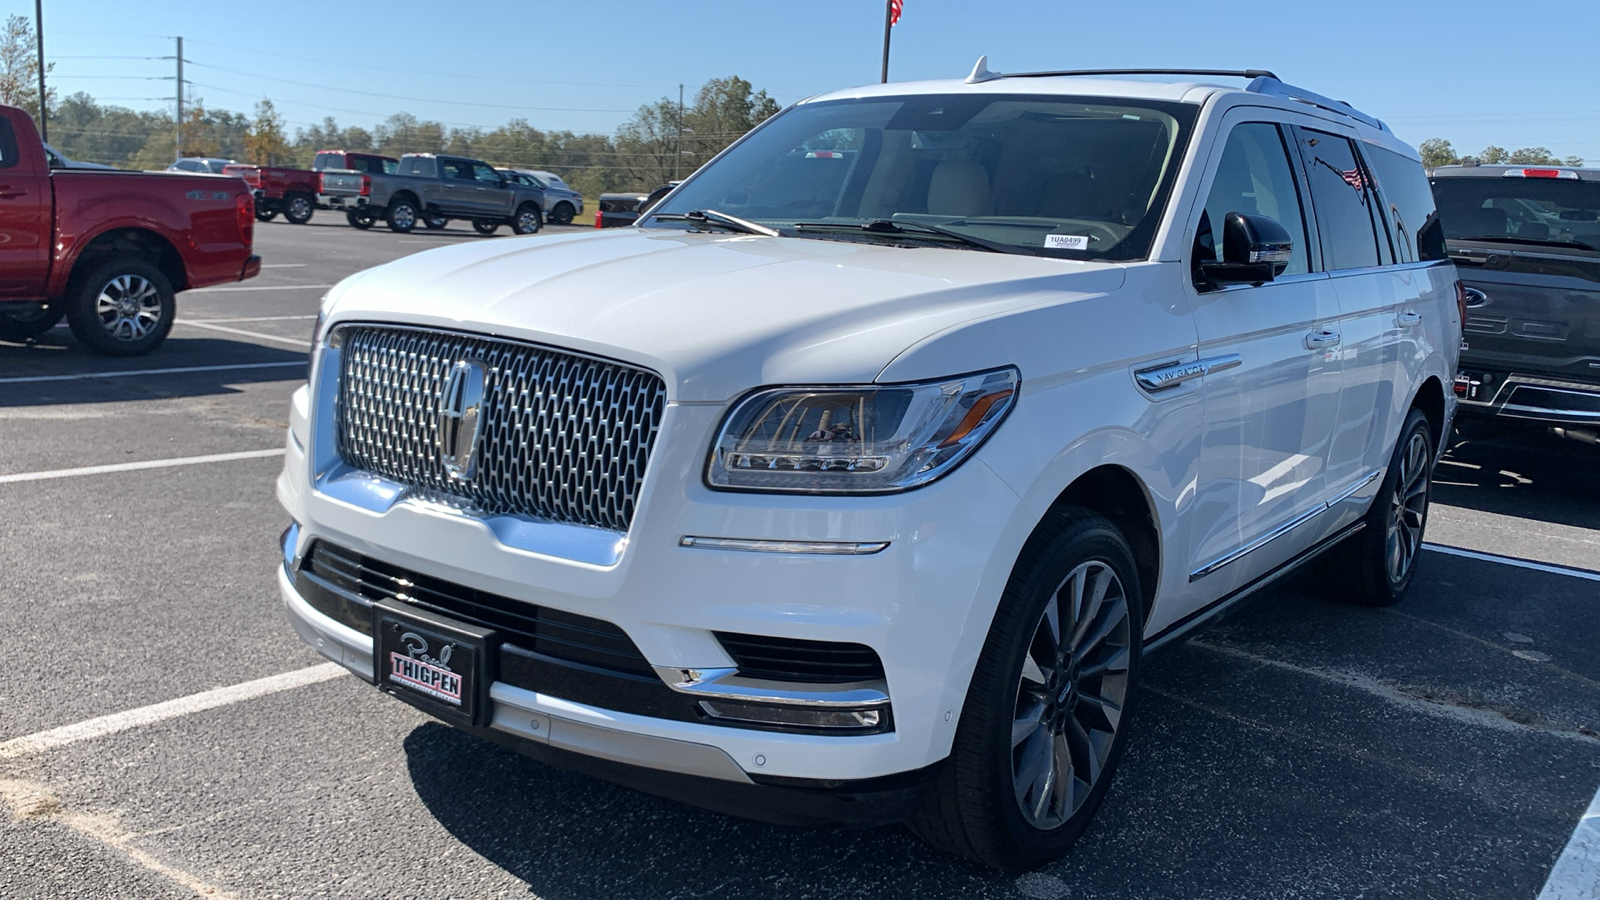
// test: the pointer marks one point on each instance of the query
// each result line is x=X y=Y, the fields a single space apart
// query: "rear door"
x=494 y=195
x=25 y=222
x=458 y=189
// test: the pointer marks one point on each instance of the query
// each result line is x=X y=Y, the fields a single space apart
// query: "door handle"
x=7 y=192
x=1322 y=340
x=1408 y=319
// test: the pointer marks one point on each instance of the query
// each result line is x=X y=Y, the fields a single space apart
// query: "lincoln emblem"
x=460 y=418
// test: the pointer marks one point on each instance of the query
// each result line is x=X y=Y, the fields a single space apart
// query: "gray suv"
x=1526 y=240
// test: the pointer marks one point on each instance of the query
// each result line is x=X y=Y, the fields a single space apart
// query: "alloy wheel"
x=1070 y=695
x=403 y=215
x=1408 y=508
x=128 y=307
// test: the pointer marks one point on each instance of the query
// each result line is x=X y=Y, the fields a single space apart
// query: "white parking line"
x=249 y=319
x=283 y=265
x=261 y=287
x=1576 y=875
x=170 y=709
x=298 y=342
x=137 y=466
x=128 y=373
x=1515 y=561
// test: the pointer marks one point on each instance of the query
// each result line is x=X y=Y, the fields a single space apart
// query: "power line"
x=450 y=102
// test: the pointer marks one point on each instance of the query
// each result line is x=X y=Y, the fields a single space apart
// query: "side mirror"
x=1255 y=250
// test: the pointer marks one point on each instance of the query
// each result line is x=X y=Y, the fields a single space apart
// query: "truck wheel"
x=402 y=216
x=527 y=220
x=1046 y=714
x=1373 y=567
x=562 y=213
x=265 y=211
x=361 y=220
x=25 y=326
x=435 y=223
x=123 y=307
x=297 y=208
x=486 y=226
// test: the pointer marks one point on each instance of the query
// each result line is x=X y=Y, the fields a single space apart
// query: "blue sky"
x=1472 y=72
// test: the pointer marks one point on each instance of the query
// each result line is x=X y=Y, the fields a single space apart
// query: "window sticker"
x=1066 y=241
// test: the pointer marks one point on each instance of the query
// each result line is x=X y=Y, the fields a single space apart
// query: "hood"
x=714 y=314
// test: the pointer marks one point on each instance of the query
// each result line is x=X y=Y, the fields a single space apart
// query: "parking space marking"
x=1576 y=875
x=298 y=342
x=137 y=466
x=128 y=373
x=169 y=709
x=247 y=319
x=261 y=287
x=283 y=265
x=1515 y=561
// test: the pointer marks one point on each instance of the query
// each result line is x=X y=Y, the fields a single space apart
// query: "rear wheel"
x=527 y=220
x=435 y=223
x=25 y=326
x=358 y=219
x=123 y=307
x=298 y=208
x=562 y=213
x=1045 y=718
x=266 y=211
x=486 y=226
x=402 y=215
x=1374 y=566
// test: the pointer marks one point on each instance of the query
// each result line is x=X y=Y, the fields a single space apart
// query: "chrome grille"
x=564 y=437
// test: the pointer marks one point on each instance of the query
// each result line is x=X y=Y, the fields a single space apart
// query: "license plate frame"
x=440 y=665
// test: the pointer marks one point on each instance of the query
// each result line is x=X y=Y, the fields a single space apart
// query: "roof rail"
x=1272 y=86
x=1235 y=73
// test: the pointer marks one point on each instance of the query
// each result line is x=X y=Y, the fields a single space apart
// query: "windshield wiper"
x=914 y=229
x=1537 y=242
x=712 y=217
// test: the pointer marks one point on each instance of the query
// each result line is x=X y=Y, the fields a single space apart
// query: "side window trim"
x=1399 y=246
x=1299 y=133
x=1286 y=136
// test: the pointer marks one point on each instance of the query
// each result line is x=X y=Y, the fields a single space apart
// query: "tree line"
x=1438 y=152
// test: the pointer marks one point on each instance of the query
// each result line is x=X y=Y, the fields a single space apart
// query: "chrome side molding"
x=1170 y=375
x=1285 y=528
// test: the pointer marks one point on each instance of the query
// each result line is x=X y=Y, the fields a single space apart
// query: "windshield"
x=1056 y=176
x=1520 y=210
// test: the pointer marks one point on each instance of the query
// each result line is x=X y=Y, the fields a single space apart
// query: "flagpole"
x=888 y=22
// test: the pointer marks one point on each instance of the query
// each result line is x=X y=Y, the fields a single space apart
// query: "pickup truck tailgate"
x=1540 y=314
x=337 y=183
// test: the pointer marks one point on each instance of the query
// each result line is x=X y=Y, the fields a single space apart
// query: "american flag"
x=895 y=8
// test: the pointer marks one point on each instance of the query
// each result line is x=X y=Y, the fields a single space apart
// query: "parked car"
x=109 y=250
x=533 y=184
x=292 y=192
x=1527 y=242
x=617 y=210
x=859 y=491
x=58 y=161
x=201 y=165
x=342 y=183
x=434 y=189
x=562 y=202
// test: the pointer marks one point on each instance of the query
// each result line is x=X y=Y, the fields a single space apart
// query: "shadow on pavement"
x=1524 y=472
x=54 y=370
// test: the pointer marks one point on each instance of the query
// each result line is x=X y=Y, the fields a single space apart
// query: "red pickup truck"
x=108 y=249
x=292 y=192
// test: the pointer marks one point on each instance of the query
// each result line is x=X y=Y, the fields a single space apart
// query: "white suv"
x=854 y=483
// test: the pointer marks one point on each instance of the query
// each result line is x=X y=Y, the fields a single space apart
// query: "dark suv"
x=1526 y=240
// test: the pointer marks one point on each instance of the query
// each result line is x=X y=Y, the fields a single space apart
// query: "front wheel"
x=298 y=208
x=123 y=307
x=527 y=220
x=486 y=226
x=562 y=213
x=1373 y=567
x=358 y=219
x=436 y=223
x=402 y=216
x=265 y=212
x=1046 y=713
x=25 y=326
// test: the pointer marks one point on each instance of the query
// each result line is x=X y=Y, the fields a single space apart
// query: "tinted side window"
x=1255 y=178
x=1345 y=206
x=326 y=161
x=8 y=144
x=458 y=169
x=1419 y=237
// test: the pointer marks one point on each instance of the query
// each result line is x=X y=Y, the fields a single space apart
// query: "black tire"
x=298 y=208
x=122 y=307
x=25 y=326
x=486 y=226
x=527 y=219
x=436 y=223
x=402 y=215
x=361 y=220
x=975 y=805
x=265 y=212
x=562 y=213
x=1374 y=566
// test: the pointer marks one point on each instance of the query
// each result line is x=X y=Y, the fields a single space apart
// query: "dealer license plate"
x=435 y=663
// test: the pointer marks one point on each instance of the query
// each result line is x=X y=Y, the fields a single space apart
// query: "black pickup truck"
x=1526 y=240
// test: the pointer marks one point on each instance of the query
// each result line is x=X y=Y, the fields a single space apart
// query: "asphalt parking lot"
x=1446 y=747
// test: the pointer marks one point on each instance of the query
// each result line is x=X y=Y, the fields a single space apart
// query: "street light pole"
x=38 y=28
x=678 y=156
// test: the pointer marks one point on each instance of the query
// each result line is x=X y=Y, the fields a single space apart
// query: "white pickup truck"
x=855 y=482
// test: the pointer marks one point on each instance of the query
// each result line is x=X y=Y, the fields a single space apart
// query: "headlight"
x=868 y=439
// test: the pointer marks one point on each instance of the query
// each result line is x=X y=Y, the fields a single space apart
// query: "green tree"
x=265 y=144
x=1438 y=152
x=1492 y=155
x=19 y=67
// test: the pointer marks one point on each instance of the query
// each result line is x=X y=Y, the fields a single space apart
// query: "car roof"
x=1177 y=86
x=1583 y=173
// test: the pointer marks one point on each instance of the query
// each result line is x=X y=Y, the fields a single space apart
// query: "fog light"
x=802 y=717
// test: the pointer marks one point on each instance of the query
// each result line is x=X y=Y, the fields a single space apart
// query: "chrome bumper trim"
x=728 y=685
x=824 y=548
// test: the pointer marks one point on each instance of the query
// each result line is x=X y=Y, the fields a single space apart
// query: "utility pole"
x=177 y=138
x=677 y=157
x=38 y=27
x=888 y=23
